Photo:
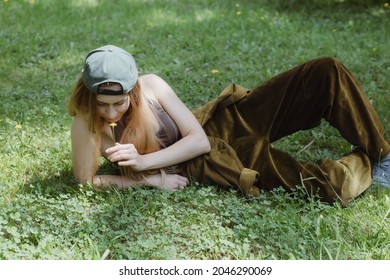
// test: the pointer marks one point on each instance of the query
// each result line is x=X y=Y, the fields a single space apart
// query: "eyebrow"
x=122 y=100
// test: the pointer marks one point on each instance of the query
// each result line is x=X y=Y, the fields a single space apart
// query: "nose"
x=111 y=112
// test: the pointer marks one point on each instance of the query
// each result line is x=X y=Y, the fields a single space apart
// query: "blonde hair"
x=141 y=124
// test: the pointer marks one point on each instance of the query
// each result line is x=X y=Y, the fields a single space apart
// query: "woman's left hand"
x=125 y=155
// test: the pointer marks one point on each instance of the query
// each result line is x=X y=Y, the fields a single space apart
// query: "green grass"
x=47 y=215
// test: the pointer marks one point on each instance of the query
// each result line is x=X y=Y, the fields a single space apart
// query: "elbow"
x=208 y=146
x=94 y=182
x=82 y=179
x=205 y=145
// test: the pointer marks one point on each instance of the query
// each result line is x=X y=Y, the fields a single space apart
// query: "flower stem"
x=113 y=125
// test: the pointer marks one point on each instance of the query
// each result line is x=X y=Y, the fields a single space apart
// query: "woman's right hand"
x=171 y=182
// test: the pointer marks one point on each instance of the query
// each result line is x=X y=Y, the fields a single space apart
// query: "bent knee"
x=325 y=65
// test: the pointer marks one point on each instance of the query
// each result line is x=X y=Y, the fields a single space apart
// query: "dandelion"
x=113 y=125
x=386 y=5
x=238 y=13
x=374 y=49
x=18 y=127
x=214 y=71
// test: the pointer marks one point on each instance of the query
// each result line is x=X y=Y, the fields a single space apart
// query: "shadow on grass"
x=62 y=183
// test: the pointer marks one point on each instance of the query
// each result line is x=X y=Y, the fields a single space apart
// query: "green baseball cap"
x=109 y=64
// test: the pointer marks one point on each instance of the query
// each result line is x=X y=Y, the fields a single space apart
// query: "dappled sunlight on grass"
x=205 y=14
x=85 y=3
x=160 y=17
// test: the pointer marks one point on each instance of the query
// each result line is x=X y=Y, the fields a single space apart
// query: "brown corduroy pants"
x=242 y=124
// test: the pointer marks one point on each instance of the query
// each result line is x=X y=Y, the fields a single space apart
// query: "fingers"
x=114 y=148
x=174 y=182
x=125 y=155
x=120 y=147
x=179 y=182
x=124 y=160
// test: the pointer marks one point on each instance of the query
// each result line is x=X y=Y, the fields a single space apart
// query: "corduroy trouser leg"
x=298 y=100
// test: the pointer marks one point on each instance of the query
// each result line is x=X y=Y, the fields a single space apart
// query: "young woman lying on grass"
x=139 y=123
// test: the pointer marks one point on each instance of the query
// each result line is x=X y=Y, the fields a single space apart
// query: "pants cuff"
x=248 y=178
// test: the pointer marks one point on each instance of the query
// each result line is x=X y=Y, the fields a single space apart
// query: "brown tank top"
x=168 y=132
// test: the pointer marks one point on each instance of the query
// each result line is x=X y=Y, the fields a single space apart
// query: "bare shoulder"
x=154 y=84
x=79 y=131
x=150 y=80
x=79 y=122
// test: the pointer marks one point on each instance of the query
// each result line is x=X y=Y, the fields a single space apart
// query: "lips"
x=113 y=120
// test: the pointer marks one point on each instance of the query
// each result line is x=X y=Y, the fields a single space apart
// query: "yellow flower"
x=238 y=13
x=386 y=5
x=374 y=49
x=214 y=71
x=113 y=125
x=18 y=126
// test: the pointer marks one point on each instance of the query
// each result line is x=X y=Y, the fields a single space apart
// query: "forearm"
x=172 y=182
x=185 y=149
x=103 y=182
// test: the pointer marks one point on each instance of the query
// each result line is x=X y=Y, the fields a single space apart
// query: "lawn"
x=198 y=47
